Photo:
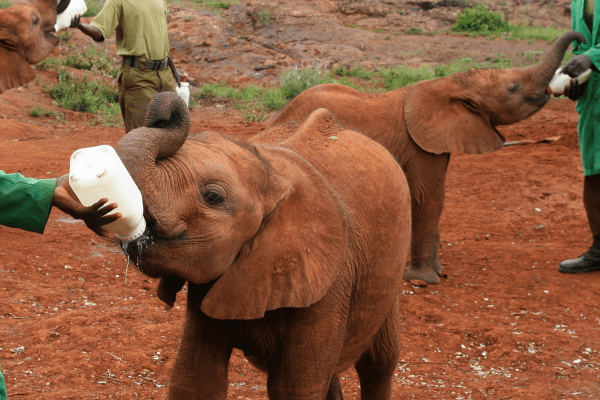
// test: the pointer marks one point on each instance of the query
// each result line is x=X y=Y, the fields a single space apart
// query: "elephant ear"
x=297 y=254
x=443 y=115
x=15 y=70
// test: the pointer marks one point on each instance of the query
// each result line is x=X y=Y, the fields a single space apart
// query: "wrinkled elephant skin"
x=27 y=36
x=293 y=247
x=423 y=123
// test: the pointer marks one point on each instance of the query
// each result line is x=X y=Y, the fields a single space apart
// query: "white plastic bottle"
x=560 y=81
x=184 y=90
x=63 y=20
x=98 y=172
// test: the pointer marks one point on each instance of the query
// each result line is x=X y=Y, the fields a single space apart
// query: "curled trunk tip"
x=62 y=6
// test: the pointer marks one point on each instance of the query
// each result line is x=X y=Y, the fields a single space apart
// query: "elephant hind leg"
x=376 y=365
x=335 y=389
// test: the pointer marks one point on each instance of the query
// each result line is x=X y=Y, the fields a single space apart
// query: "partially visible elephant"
x=27 y=36
x=293 y=250
x=423 y=123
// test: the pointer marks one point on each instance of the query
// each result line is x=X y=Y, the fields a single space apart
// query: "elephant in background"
x=423 y=123
x=286 y=245
x=27 y=36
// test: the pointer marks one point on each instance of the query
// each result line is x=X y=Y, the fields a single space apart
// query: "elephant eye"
x=35 y=19
x=212 y=198
x=514 y=87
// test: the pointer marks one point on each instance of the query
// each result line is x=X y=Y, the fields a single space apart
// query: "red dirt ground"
x=503 y=324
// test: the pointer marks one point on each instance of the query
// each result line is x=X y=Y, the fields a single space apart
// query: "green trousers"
x=136 y=88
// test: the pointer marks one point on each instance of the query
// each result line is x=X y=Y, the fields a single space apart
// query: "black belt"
x=149 y=65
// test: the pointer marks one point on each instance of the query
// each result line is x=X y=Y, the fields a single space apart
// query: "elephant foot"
x=437 y=267
x=425 y=274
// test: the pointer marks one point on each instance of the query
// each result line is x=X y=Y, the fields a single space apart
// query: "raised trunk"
x=60 y=7
x=167 y=126
x=543 y=72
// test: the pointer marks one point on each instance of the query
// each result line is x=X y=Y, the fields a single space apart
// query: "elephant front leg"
x=427 y=202
x=200 y=371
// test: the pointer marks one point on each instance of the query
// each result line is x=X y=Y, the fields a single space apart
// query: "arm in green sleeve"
x=25 y=203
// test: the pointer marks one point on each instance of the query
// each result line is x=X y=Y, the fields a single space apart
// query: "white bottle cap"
x=139 y=231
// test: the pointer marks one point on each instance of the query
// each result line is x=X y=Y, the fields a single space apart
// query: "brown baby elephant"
x=422 y=124
x=293 y=247
x=26 y=37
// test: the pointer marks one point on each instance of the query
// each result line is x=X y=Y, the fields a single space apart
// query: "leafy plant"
x=91 y=97
x=39 y=111
x=265 y=17
x=216 y=5
x=92 y=59
x=93 y=8
x=413 y=31
x=4 y=4
x=480 y=20
x=294 y=81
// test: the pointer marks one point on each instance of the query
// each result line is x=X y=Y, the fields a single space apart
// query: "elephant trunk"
x=62 y=6
x=167 y=126
x=543 y=72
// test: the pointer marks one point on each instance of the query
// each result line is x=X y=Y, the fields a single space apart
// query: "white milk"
x=560 y=81
x=63 y=20
x=98 y=172
x=184 y=90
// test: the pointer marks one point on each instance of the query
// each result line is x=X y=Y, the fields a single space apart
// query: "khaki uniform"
x=141 y=29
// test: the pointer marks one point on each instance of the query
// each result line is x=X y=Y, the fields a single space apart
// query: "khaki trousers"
x=136 y=88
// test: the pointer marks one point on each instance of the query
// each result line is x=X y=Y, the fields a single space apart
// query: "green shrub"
x=93 y=8
x=295 y=81
x=265 y=17
x=92 y=59
x=480 y=20
x=39 y=111
x=357 y=71
x=91 y=97
x=4 y=4
x=413 y=31
x=217 y=4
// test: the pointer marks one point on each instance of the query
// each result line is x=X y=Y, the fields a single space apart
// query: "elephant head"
x=27 y=36
x=461 y=112
x=239 y=217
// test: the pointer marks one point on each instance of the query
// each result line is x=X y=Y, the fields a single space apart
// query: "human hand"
x=177 y=76
x=94 y=216
x=577 y=66
x=75 y=21
x=574 y=90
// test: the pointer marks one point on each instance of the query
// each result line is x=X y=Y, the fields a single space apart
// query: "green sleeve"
x=2 y=387
x=25 y=203
x=108 y=18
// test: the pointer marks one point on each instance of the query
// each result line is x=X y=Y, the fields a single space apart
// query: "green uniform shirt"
x=25 y=203
x=2 y=388
x=141 y=27
x=588 y=105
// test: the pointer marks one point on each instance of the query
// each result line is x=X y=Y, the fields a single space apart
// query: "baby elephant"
x=293 y=246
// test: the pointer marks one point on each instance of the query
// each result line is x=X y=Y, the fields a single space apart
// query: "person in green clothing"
x=143 y=43
x=586 y=20
x=25 y=203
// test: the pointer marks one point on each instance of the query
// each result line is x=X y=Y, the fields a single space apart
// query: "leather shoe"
x=589 y=261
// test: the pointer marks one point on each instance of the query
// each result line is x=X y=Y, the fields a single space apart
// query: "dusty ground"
x=75 y=323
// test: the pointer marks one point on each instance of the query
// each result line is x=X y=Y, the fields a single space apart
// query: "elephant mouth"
x=146 y=252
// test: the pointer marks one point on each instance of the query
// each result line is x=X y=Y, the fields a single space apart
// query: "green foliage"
x=294 y=81
x=4 y=4
x=92 y=97
x=480 y=20
x=216 y=5
x=93 y=8
x=413 y=31
x=92 y=59
x=356 y=71
x=39 y=111
x=65 y=35
x=265 y=17
x=548 y=34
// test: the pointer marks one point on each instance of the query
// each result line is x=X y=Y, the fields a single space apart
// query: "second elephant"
x=423 y=123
